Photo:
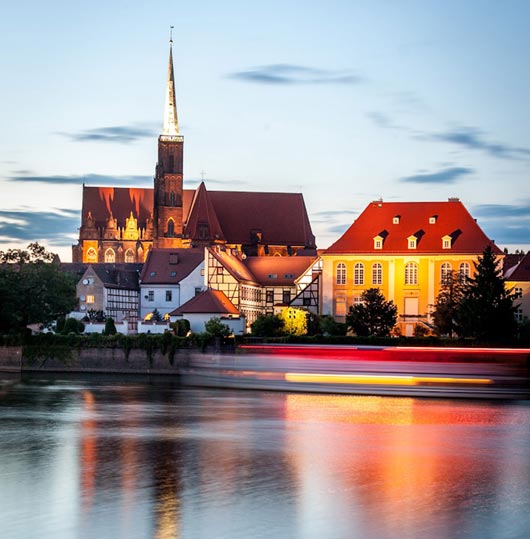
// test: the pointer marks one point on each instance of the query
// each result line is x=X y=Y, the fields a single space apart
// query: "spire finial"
x=171 y=127
x=171 y=34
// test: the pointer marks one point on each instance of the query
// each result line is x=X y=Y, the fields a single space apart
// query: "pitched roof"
x=280 y=217
x=202 y=212
x=521 y=272
x=278 y=270
x=234 y=264
x=124 y=276
x=429 y=222
x=207 y=302
x=170 y=266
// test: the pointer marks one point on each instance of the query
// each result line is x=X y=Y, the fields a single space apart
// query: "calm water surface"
x=98 y=458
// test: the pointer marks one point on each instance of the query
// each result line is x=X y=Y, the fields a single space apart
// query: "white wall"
x=197 y=321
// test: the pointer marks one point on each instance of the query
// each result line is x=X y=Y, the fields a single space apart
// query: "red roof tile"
x=207 y=302
x=449 y=219
x=170 y=266
x=521 y=272
x=278 y=270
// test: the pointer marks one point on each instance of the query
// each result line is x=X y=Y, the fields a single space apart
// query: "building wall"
x=414 y=301
x=521 y=289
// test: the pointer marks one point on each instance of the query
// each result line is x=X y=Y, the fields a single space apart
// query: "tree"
x=486 y=311
x=329 y=326
x=33 y=289
x=72 y=325
x=110 y=327
x=447 y=304
x=374 y=316
x=294 y=321
x=215 y=328
x=267 y=326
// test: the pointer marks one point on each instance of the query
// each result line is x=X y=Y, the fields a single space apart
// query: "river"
x=98 y=457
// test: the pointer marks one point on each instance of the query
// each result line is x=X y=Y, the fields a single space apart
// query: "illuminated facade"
x=121 y=224
x=518 y=280
x=405 y=249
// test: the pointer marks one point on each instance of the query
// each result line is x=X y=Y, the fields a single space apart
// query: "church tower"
x=167 y=211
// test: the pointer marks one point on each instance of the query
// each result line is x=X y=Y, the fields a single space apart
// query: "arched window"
x=91 y=256
x=341 y=273
x=129 y=256
x=172 y=198
x=465 y=271
x=377 y=273
x=411 y=273
x=171 y=229
x=445 y=272
x=110 y=256
x=358 y=273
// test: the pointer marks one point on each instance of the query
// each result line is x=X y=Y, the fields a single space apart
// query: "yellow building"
x=405 y=249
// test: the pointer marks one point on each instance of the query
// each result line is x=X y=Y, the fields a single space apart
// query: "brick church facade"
x=122 y=224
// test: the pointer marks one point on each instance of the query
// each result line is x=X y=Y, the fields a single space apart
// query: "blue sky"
x=344 y=101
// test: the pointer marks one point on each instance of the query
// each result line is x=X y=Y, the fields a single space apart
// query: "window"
x=432 y=220
x=173 y=274
x=129 y=256
x=395 y=220
x=464 y=271
x=269 y=296
x=151 y=295
x=518 y=314
x=219 y=270
x=110 y=256
x=286 y=296
x=378 y=242
x=171 y=229
x=412 y=241
x=91 y=255
x=90 y=299
x=169 y=295
x=198 y=290
x=340 y=306
x=306 y=302
x=518 y=293
x=411 y=273
x=358 y=300
x=358 y=274
x=340 y=277
x=377 y=273
x=445 y=272
x=172 y=199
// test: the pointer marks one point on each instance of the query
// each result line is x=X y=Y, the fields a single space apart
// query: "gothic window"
x=171 y=164
x=91 y=256
x=358 y=274
x=129 y=256
x=377 y=274
x=204 y=231
x=340 y=277
x=110 y=256
x=445 y=272
x=411 y=273
x=171 y=229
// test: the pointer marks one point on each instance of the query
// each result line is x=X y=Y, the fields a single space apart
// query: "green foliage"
x=110 y=327
x=448 y=302
x=215 y=328
x=294 y=321
x=329 y=326
x=71 y=325
x=421 y=330
x=375 y=316
x=486 y=311
x=267 y=326
x=181 y=327
x=94 y=315
x=32 y=289
x=156 y=316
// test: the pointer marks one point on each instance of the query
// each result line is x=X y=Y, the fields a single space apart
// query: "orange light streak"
x=371 y=379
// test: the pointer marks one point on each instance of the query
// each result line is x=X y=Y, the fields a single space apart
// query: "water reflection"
x=106 y=459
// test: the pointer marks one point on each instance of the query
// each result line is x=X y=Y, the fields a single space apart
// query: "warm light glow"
x=374 y=379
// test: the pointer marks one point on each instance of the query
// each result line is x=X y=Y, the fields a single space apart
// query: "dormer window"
x=395 y=219
x=412 y=242
x=446 y=242
x=378 y=242
x=432 y=219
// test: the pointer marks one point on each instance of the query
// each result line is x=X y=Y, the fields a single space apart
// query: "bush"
x=110 y=327
x=71 y=325
x=267 y=326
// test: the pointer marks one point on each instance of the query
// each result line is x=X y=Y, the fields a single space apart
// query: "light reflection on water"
x=97 y=458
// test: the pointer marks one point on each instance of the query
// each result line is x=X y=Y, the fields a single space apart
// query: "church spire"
x=171 y=124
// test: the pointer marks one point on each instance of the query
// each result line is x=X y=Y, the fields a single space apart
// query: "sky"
x=344 y=101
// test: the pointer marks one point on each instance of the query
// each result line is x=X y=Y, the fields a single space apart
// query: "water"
x=96 y=458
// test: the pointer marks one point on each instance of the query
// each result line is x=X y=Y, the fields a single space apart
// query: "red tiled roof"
x=521 y=272
x=281 y=217
x=207 y=302
x=451 y=219
x=278 y=270
x=234 y=265
x=170 y=266
x=118 y=201
x=202 y=212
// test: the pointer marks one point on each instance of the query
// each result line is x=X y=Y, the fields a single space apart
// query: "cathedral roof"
x=202 y=212
x=207 y=302
x=394 y=223
x=170 y=266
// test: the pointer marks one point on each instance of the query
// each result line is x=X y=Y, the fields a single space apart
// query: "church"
x=122 y=224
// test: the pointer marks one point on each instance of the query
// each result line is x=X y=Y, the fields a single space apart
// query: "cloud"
x=289 y=74
x=57 y=226
x=330 y=214
x=448 y=175
x=507 y=224
x=338 y=229
x=503 y=211
x=123 y=134
x=473 y=139
x=94 y=179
